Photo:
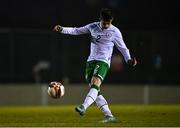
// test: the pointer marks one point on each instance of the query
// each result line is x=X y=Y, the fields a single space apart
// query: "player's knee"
x=96 y=81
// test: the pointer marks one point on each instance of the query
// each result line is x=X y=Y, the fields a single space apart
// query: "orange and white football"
x=56 y=90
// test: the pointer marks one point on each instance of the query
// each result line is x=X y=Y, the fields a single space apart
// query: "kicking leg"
x=91 y=96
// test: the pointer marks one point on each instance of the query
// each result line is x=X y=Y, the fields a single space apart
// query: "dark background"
x=150 y=29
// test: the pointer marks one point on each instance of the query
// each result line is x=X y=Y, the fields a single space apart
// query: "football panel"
x=62 y=89
x=52 y=92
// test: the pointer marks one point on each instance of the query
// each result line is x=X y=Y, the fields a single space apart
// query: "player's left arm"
x=121 y=46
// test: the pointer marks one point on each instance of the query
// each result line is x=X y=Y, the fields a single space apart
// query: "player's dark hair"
x=106 y=14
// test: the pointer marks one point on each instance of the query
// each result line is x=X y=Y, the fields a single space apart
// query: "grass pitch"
x=65 y=116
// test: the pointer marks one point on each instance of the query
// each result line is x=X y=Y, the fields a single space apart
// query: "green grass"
x=64 y=116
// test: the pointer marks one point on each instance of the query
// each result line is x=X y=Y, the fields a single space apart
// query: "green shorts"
x=96 y=68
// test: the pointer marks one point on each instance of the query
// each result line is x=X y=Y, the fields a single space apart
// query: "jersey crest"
x=108 y=35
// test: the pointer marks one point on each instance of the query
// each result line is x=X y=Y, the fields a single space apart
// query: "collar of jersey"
x=102 y=28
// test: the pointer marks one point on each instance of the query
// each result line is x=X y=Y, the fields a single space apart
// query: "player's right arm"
x=72 y=30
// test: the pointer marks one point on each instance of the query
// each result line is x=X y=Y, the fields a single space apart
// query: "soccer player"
x=104 y=36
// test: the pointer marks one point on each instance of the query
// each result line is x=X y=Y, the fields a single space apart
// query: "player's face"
x=105 y=24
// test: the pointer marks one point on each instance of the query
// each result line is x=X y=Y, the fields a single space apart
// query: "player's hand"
x=132 y=62
x=58 y=28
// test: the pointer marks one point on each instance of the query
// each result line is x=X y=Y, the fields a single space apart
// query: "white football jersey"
x=102 y=41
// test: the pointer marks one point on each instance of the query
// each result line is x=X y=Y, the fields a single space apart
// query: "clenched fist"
x=57 y=28
x=132 y=62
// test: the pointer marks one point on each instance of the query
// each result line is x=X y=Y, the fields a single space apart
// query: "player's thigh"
x=95 y=80
x=100 y=71
x=89 y=70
